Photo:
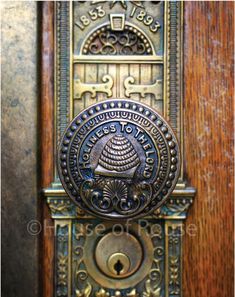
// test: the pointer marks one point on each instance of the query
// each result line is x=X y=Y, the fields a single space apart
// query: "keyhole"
x=118 y=266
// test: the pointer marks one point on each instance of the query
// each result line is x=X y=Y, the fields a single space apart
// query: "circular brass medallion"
x=119 y=159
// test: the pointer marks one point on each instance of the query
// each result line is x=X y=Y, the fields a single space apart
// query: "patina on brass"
x=136 y=243
x=118 y=264
x=119 y=159
x=118 y=71
x=104 y=87
x=118 y=256
x=131 y=88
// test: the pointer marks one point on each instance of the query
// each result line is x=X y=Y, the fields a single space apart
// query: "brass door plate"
x=121 y=59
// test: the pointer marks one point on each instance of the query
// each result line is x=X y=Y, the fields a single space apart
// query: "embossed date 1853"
x=92 y=15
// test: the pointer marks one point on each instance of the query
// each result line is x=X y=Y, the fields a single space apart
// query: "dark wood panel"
x=46 y=143
x=208 y=83
x=208 y=257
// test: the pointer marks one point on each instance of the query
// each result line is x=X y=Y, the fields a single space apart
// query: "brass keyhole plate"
x=133 y=247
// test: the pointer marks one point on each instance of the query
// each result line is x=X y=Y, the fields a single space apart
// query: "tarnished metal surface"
x=118 y=256
x=19 y=148
x=119 y=159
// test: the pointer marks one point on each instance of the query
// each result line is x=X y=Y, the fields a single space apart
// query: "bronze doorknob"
x=119 y=159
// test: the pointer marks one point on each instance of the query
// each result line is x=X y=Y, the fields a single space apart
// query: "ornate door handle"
x=119 y=159
x=119 y=215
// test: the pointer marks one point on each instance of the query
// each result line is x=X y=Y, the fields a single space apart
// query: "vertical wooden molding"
x=46 y=142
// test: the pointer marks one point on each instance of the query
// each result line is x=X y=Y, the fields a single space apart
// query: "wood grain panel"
x=46 y=143
x=208 y=110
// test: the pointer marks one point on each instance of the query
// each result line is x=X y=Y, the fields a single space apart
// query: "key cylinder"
x=118 y=264
x=118 y=256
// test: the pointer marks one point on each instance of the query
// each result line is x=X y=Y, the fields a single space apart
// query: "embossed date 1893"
x=142 y=16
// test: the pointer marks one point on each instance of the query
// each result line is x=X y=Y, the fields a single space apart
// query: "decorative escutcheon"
x=119 y=159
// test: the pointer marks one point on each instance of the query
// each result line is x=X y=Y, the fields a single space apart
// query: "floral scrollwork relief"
x=151 y=291
x=103 y=293
x=86 y=292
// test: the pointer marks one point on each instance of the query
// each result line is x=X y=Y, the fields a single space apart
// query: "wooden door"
x=209 y=133
x=208 y=130
x=27 y=165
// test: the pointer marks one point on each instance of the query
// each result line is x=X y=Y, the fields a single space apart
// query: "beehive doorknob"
x=119 y=159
